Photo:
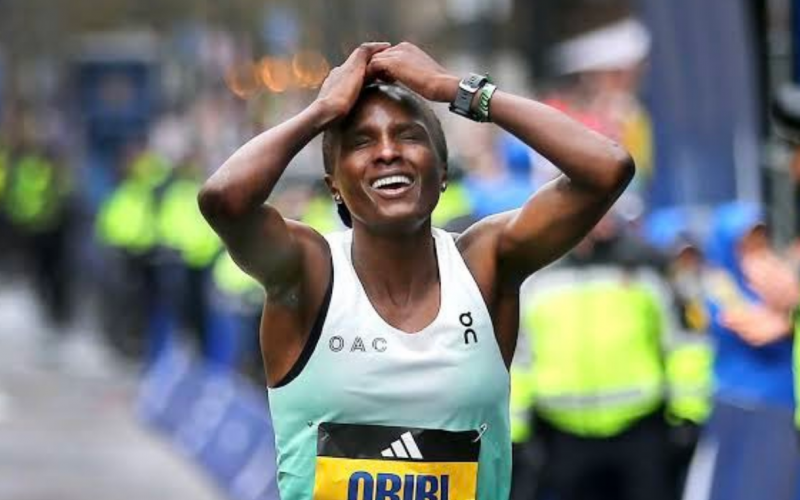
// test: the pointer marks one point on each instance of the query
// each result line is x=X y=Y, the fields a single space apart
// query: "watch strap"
x=467 y=89
x=485 y=98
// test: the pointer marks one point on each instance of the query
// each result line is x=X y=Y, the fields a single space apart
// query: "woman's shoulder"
x=481 y=233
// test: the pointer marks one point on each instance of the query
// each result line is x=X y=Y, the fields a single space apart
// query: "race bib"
x=373 y=462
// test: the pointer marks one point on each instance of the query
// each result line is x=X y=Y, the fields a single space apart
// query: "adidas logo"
x=405 y=447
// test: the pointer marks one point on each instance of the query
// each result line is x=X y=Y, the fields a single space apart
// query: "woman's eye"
x=359 y=141
x=410 y=136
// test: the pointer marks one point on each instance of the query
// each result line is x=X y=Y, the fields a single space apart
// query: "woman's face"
x=387 y=172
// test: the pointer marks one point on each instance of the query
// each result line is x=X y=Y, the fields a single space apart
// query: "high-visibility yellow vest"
x=453 y=203
x=521 y=403
x=689 y=377
x=127 y=218
x=34 y=197
x=182 y=226
x=5 y=168
x=233 y=281
x=150 y=168
x=321 y=215
x=596 y=344
x=690 y=355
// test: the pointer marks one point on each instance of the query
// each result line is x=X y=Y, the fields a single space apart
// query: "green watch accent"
x=484 y=99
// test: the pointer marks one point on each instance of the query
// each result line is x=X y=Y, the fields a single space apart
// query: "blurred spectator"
x=794 y=247
x=689 y=366
x=603 y=70
x=126 y=225
x=748 y=450
x=504 y=181
x=796 y=331
x=38 y=209
x=183 y=270
x=6 y=234
x=597 y=325
x=495 y=180
x=234 y=317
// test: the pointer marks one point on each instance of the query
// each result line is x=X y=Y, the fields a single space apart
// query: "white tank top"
x=360 y=370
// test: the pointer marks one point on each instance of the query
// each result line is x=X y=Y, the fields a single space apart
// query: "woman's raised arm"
x=595 y=170
x=233 y=199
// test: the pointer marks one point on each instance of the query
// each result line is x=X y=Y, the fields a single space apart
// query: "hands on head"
x=404 y=63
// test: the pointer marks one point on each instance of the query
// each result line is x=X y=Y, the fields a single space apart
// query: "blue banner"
x=215 y=418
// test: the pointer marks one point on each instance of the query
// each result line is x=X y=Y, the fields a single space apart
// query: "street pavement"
x=67 y=427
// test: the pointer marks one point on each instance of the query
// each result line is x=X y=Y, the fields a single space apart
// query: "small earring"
x=444 y=186
x=337 y=198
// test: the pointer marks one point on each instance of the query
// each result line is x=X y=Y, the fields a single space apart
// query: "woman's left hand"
x=408 y=64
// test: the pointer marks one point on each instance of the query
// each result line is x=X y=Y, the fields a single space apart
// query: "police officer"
x=185 y=281
x=126 y=224
x=690 y=356
x=37 y=206
x=597 y=325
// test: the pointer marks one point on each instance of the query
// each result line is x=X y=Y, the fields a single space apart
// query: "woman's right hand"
x=341 y=88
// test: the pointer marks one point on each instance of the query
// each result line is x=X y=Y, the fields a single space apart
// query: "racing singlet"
x=379 y=414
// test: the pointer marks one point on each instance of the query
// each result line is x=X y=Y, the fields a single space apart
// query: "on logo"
x=469 y=333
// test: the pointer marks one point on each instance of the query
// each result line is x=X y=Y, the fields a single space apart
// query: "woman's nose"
x=388 y=150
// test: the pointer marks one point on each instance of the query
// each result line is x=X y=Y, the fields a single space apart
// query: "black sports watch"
x=467 y=88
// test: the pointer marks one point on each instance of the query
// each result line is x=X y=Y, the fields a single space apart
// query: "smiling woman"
x=386 y=347
x=415 y=123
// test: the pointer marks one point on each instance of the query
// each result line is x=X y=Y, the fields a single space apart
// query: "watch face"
x=472 y=84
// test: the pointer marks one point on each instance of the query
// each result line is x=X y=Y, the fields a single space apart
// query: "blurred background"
x=129 y=363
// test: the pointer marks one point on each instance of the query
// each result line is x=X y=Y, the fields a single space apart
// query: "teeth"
x=393 y=179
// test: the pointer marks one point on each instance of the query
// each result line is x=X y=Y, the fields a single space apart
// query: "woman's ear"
x=444 y=179
x=331 y=183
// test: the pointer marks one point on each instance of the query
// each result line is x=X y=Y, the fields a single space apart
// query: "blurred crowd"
x=663 y=329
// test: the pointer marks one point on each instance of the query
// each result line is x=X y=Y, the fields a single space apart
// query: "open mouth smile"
x=392 y=185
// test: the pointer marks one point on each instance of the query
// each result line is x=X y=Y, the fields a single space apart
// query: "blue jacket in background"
x=743 y=373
